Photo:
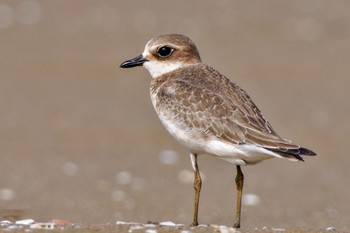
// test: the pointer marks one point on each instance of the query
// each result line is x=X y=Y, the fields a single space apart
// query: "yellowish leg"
x=197 y=184
x=239 y=185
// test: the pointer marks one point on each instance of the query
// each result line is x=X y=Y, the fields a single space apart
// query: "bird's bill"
x=137 y=61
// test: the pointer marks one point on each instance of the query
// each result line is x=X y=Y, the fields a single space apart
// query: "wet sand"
x=80 y=141
x=162 y=227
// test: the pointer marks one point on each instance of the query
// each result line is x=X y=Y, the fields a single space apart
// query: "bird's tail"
x=292 y=153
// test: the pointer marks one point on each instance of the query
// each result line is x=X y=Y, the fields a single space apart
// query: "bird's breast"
x=169 y=116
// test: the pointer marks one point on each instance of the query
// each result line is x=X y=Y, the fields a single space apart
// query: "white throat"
x=158 y=68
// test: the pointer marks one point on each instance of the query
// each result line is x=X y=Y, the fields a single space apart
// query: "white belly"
x=234 y=153
x=199 y=143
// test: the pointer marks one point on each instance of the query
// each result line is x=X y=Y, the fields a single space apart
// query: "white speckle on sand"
x=224 y=229
x=151 y=231
x=150 y=225
x=167 y=223
x=168 y=157
x=121 y=223
x=123 y=178
x=135 y=227
x=5 y=223
x=14 y=227
x=25 y=222
x=70 y=169
x=186 y=176
x=185 y=231
x=127 y=223
x=7 y=194
x=331 y=229
x=250 y=199
x=170 y=224
x=278 y=230
x=45 y=225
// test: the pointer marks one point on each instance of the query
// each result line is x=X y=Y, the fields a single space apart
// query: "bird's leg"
x=239 y=185
x=197 y=184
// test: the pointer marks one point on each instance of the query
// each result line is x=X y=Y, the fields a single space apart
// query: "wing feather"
x=213 y=106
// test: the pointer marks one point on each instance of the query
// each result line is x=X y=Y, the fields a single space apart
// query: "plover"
x=207 y=112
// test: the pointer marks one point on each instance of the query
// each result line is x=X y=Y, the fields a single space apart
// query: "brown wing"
x=213 y=106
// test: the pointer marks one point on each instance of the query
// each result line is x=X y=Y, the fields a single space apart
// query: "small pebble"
x=150 y=225
x=77 y=226
x=121 y=223
x=224 y=229
x=202 y=225
x=5 y=223
x=127 y=223
x=150 y=231
x=45 y=225
x=13 y=227
x=25 y=222
x=167 y=223
x=135 y=227
x=331 y=229
x=278 y=230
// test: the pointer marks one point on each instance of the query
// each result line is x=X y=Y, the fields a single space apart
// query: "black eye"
x=165 y=51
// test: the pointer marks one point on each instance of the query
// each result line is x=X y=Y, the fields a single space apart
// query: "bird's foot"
x=237 y=225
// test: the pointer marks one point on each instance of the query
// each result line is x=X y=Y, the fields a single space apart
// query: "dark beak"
x=137 y=61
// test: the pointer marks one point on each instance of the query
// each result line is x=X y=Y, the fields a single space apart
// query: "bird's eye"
x=164 y=51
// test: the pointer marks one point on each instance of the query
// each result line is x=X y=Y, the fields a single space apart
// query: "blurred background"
x=80 y=141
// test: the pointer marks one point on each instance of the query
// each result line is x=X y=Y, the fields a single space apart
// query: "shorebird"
x=207 y=112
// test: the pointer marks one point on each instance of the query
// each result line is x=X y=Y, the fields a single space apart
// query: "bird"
x=208 y=113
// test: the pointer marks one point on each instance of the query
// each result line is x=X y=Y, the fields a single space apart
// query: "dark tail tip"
x=304 y=151
x=293 y=153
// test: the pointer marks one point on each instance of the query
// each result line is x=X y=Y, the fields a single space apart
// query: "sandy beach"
x=80 y=141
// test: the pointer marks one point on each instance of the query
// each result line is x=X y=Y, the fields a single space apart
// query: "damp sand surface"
x=30 y=225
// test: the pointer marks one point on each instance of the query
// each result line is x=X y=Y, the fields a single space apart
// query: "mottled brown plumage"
x=199 y=98
x=207 y=112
